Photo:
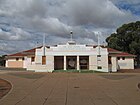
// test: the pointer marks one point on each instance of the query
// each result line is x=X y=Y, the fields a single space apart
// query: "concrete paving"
x=72 y=89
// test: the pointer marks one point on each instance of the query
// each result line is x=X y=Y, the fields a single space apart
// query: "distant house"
x=71 y=56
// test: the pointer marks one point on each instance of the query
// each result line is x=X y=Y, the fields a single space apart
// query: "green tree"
x=2 y=60
x=127 y=39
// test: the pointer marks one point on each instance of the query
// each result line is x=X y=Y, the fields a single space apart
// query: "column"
x=65 y=64
x=114 y=64
x=78 y=67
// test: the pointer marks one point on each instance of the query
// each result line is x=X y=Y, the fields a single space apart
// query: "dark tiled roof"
x=111 y=50
x=117 y=53
x=24 y=53
x=124 y=54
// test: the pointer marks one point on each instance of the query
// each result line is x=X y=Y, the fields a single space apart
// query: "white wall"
x=114 y=64
x=27 y=61
x=92 y=62
x=104 y=63
x=72 y=50
x=128 y=63
x=38 y=67
x=38 y=59
x=6 y=65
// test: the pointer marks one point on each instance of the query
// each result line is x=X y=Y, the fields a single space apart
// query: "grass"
x=86 y=71
x=98 y=72
x=69 y=71
x=12 y=69
x=76 y=71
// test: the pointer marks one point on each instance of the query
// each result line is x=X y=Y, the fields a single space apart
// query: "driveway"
x=31 y=88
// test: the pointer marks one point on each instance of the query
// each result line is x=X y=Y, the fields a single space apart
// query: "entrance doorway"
x=71 y=62
x=58 y=63
x=84 y=62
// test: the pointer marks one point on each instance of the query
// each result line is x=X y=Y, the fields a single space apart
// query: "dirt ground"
x=129 y=71
x=30 y=88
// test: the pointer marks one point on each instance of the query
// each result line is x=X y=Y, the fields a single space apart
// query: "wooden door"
x=43 y=60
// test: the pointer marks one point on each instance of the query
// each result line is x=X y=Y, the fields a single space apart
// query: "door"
x=43 y=60
x=58 y=63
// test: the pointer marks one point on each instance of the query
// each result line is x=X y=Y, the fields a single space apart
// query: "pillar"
x=114 y=64
x=65 y=64
x=78 y=67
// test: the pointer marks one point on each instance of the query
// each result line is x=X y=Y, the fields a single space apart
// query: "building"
x=71 y=56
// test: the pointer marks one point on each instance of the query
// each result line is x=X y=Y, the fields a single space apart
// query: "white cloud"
x=50 y=25
x=57 y=18
x=14 y=34
x=101 y=13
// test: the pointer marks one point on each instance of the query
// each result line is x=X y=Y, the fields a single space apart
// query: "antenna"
x=44 y=40
x=98 y=39
x=71 y=42
x=71 y=33
x=44 y=44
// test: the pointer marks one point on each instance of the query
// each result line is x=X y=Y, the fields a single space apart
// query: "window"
x=17 y=59
x=123 y=58
x=118 y=58
x=43 y=60
x=23 y=59
x=109 y=60
x=98 y=55
x=99 y=67
x=32 y=59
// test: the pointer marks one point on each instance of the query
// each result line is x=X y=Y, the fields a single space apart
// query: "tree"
x=127 y=39
x=2 y=60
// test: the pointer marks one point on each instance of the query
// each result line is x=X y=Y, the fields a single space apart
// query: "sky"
x=24 y=22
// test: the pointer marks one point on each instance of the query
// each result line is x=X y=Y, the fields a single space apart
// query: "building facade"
x=71 y=56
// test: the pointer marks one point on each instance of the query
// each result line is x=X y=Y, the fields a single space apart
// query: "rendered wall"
x=92 y=62
x=104 y=63
x=25 y=62
x=128 y=63
x=38 y=67
x=38 y=59
x=12 y=63
x=50 y=62
x=114 y=64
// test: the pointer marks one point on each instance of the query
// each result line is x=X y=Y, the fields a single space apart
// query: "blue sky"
x=133 y=8
x=24 y=22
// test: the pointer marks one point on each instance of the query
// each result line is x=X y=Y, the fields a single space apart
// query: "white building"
x=71 y=56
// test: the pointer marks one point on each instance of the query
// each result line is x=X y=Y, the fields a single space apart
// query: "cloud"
x=49 y=25
x=24 y=21
x=99 y=13
x=14 y=34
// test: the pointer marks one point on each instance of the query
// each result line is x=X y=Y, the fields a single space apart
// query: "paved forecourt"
x=31 y=88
